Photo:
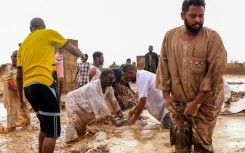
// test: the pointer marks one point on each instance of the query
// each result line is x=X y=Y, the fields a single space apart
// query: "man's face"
x=108 y=80
x=194 y=18
x=101 y=59
x=85 y=59
x=14 y=58
x=150 y=49
x=128 y=77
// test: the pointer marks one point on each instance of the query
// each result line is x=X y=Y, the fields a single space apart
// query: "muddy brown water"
x=146 y=136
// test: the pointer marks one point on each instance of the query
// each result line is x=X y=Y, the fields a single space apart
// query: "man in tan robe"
x=16 y=117
x=87 y=105
x=190 y=70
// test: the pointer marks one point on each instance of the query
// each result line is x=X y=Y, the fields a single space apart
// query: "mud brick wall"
x=70 y=68
x=235 y=70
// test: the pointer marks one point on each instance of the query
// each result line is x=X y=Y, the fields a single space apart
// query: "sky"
x=120 y=29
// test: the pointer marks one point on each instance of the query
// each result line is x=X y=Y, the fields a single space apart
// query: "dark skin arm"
x=135 y=113
x=73 y=50
x=169 y=102
x=19 y=82
x=191 y=107
x=91 y=74
x=114 y=122
x=119 y=114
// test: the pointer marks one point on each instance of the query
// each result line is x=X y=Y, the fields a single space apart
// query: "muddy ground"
x=146 y=136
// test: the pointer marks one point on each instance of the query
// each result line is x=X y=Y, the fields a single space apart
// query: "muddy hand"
x=191 y=109
x=131 y=120
x=170 y=105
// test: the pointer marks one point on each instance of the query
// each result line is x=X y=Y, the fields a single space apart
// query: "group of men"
x=188 y=83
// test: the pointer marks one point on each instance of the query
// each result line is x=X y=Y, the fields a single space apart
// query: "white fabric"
x=227 y=91
x=97 y=74
x=91 y=98
x=145 y=82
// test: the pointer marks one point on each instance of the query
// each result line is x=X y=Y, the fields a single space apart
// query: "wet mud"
x=146 y=136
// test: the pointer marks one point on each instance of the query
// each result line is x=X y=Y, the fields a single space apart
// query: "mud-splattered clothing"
x=16 y=117
x=122 y=91
x=87 y=104
x=185 y=69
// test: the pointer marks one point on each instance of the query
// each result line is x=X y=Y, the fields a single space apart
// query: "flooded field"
x=146 y=136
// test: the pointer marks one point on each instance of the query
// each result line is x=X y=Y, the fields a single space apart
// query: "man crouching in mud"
x=87 y=105
x=189 y=73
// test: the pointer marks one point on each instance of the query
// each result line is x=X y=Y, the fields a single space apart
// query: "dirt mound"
x=235 y=96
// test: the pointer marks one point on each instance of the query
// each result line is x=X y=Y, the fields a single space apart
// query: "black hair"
x=97 y=54
x=86 y=55
x=127 y=68
x=187 y=3
x=105 y=72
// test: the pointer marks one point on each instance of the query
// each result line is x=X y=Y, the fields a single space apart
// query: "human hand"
x=118 y=123
x=170 y=105
x=191 y=108
x=120 y=114
x=131 y=120
x=131 y=113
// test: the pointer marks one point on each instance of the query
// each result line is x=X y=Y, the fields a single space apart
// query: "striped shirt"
x=82 y=77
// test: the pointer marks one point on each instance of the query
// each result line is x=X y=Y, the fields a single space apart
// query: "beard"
x=190 y=27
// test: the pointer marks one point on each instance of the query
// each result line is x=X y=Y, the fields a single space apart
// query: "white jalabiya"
x=145 y=82
x=86 y=105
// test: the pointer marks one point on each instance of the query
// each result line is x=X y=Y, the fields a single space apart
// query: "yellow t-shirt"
x=36 y=56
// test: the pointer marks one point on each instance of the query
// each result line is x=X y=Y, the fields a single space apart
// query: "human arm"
x=215 y=62
x=169 y=102
x=113 y=121
x=19 y=82
x=135 y=113
x=193 y=106
x=91 y=73
x=119 y=113
x=73 y=50
x=113 y=102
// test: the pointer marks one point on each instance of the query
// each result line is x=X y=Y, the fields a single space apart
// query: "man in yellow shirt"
x=35 y=66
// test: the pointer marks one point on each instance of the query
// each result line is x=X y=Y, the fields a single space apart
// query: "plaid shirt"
x=83 y=68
